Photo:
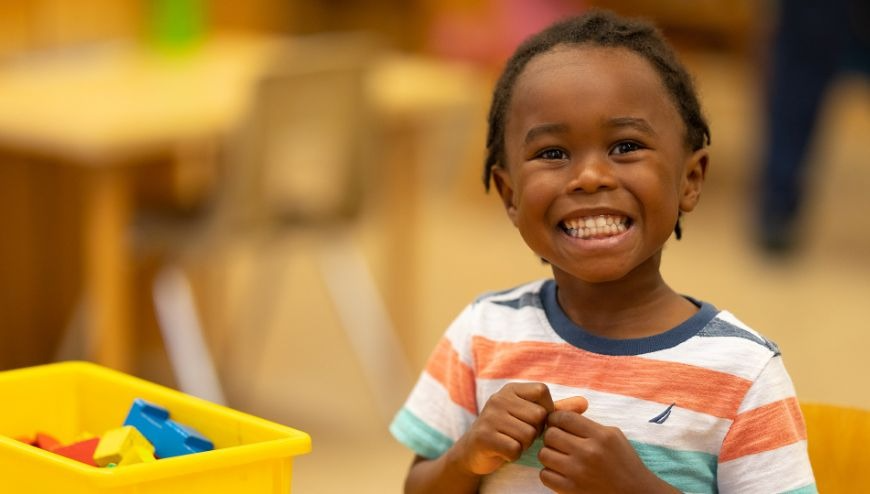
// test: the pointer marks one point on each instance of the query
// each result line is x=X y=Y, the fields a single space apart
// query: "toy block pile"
x=148 y=434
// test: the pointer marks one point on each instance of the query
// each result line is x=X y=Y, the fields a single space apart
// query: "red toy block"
x=46 y=442
x=82 y=451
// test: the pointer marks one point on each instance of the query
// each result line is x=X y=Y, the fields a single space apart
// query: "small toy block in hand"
x=123 y=446
x=82 y=451
x=168 y=437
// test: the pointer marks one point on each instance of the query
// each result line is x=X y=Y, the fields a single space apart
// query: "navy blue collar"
x=581 y=338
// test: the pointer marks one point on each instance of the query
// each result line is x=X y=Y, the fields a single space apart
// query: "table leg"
x=107 y=212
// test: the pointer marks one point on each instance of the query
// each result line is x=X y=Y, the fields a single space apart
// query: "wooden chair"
x=301 y=161
x=307 y=161
x=838 y=439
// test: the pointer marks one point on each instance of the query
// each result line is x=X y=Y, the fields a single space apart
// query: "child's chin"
x=600 y=275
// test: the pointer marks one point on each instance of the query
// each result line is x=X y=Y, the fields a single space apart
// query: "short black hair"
x=599 y=28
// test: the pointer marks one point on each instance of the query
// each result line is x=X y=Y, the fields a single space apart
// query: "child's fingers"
x=534 y=392
x=504 y=446
x=577 y=404
x=556 y=439
x=518 y=410
x=522 y=430
x=555 y=455
x=573 y=423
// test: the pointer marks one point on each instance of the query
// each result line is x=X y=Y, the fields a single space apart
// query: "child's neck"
x=621 y=310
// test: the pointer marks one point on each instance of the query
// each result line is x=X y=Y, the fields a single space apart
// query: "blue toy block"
x=168 y=437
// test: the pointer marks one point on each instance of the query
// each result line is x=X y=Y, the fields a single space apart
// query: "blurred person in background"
x=814 y=42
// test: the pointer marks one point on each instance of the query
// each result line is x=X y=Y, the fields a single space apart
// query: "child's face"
x=592 y=136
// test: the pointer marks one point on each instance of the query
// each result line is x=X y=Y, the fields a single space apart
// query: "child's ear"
x=693 y=179
x=505 y=189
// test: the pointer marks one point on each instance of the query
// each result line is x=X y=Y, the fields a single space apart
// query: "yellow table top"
x=111 y=100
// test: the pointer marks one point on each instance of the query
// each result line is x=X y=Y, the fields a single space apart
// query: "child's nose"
x=591 y=174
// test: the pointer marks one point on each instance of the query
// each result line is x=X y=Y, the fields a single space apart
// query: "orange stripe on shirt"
x=765 y=428
x=690 y=387
x=446 y=367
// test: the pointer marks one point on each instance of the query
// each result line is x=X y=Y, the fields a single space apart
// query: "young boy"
x=603 y=379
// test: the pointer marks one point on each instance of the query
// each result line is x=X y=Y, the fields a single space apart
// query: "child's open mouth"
x=601 y=226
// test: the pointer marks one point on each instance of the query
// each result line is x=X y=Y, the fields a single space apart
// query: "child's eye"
x=552 y=154
x=626 y=147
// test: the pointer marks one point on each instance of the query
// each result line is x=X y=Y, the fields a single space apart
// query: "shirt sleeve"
x=765 y=449
x=442 y=405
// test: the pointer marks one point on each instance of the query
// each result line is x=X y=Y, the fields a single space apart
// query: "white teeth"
x=596 y=226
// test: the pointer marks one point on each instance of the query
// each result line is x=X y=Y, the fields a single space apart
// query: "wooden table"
x=103 y=109
x=106 y=108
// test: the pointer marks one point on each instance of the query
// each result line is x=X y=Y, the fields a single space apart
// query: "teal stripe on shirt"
x=689 y=471
x=419 y=436
x=810 y=489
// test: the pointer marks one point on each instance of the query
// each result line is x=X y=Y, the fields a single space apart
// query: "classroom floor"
x=305 y=372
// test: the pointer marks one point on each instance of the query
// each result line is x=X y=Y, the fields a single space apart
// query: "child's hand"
x=508 y=424
x=580 y=455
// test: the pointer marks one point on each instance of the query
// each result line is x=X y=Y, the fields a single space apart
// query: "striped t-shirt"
x=707 y=405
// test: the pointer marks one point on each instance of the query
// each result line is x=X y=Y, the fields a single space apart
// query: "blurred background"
x=277 y=204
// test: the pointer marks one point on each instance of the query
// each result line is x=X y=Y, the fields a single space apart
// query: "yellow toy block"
x=123 y=446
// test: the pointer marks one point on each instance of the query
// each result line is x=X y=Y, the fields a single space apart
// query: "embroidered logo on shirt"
x=660 y=418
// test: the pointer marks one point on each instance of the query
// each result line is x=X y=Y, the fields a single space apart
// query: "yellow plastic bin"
x=251 y=455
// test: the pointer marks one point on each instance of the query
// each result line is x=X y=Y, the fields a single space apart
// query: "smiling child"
x=603 y=378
